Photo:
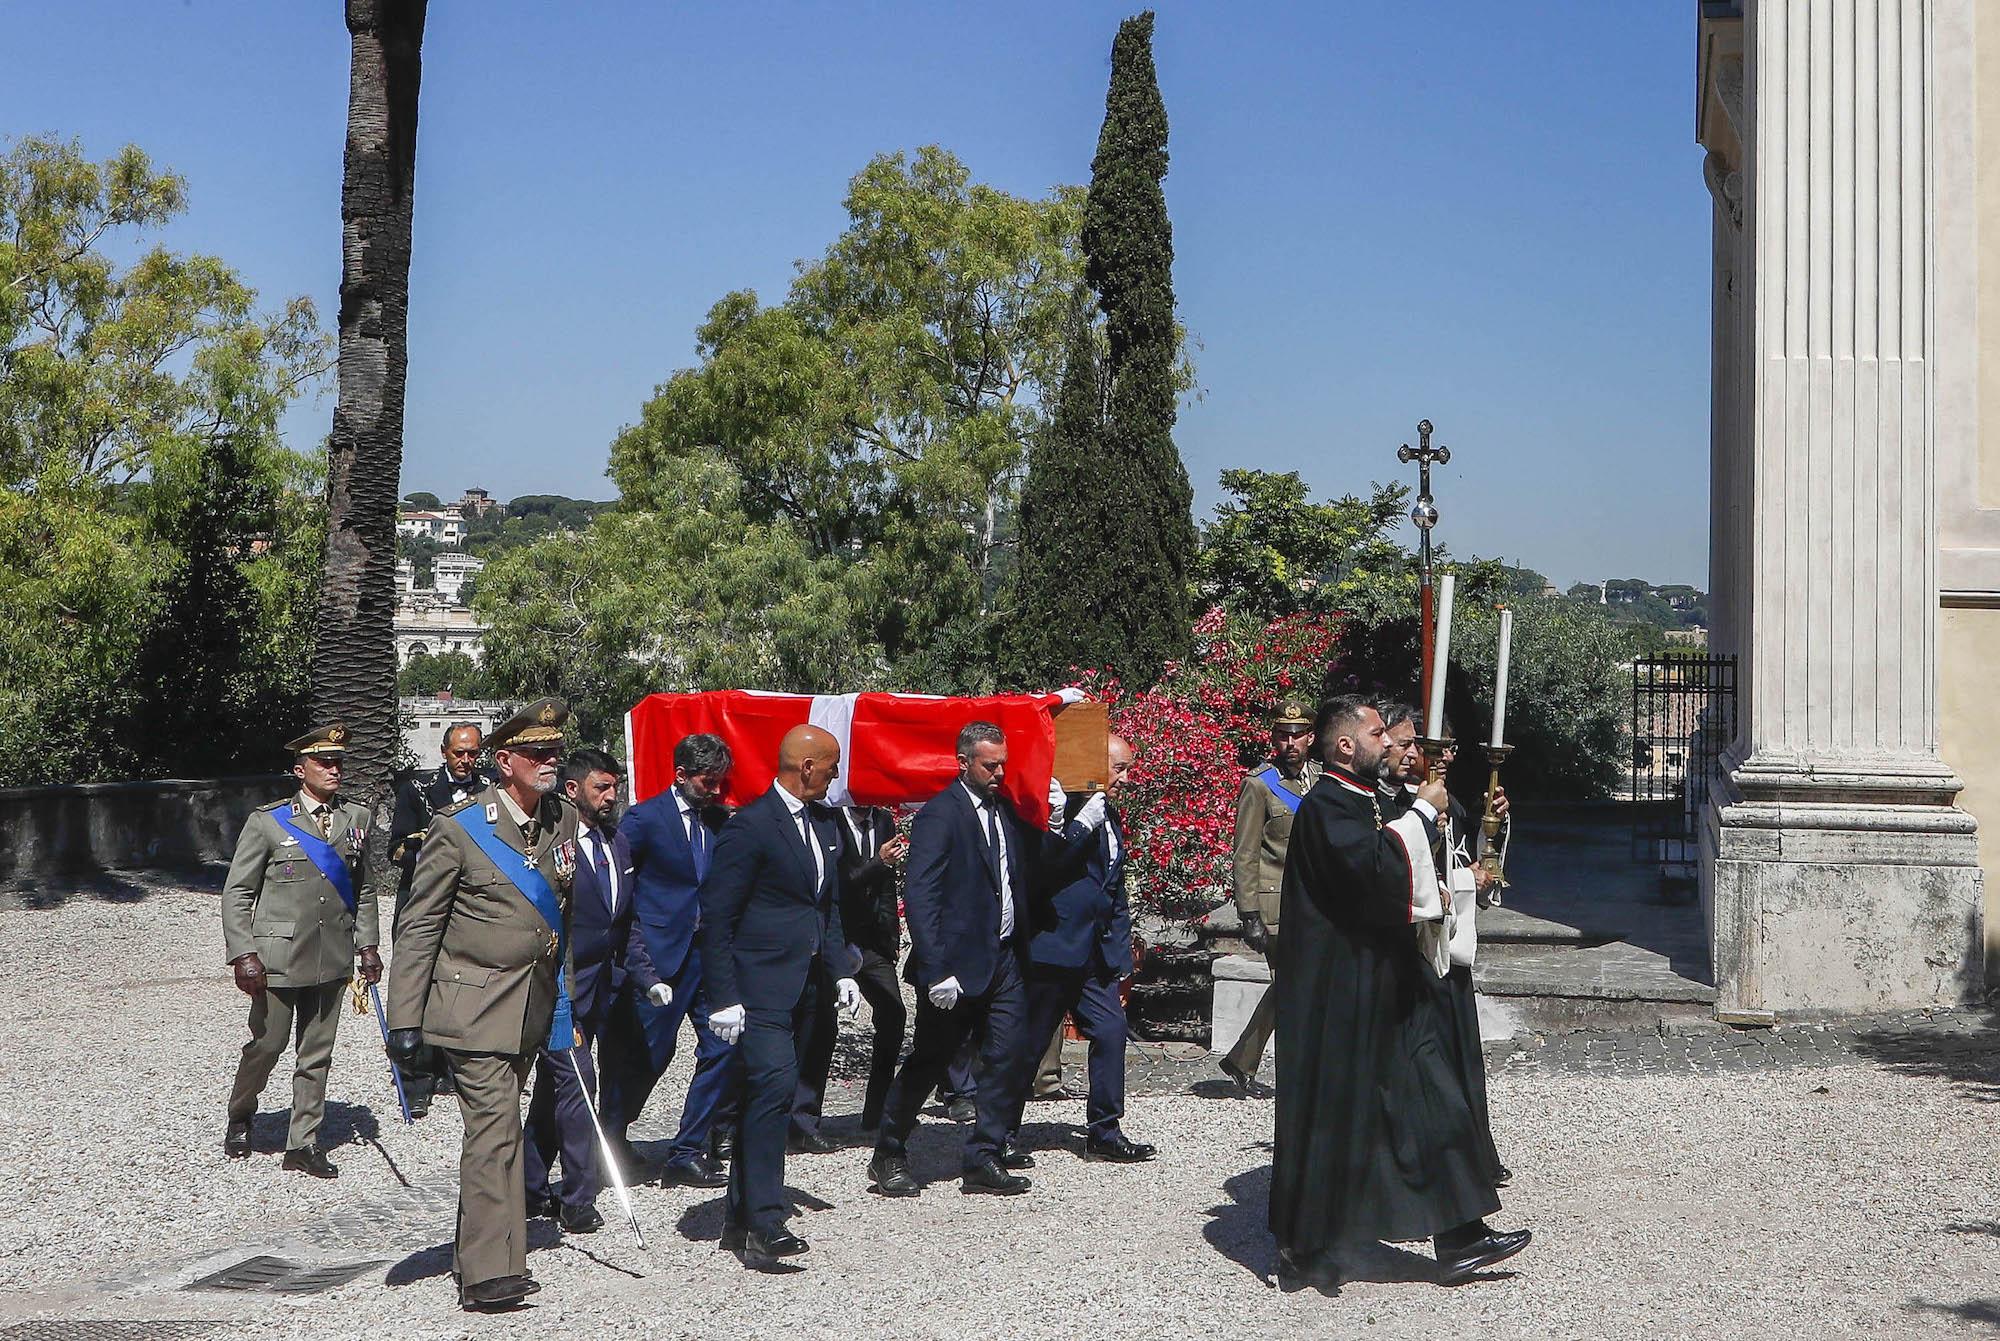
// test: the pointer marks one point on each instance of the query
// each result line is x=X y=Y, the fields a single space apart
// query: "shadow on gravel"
x=1981 y=1312
x=1990 y=1227
x=435 y=1261
x=702 y=1221
x=44 y=893
x=1969 y=1056
x=1240 y=1231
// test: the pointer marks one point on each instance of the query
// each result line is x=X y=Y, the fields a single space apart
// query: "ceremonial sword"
x=604 y=1148
x=395 y=1073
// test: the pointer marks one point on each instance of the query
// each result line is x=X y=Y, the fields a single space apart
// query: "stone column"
x=1838 y=873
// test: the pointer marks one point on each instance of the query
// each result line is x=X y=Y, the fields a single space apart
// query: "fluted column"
x=1842 y=876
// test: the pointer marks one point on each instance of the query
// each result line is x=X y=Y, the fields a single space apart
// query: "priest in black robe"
x=1375 y=1137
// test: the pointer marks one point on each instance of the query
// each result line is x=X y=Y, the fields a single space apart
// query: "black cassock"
x=1375 y=1136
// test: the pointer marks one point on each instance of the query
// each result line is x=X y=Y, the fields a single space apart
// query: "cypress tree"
x=1107 y=532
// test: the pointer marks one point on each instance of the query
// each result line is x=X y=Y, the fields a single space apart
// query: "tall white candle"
x=1500 y=676
x=1440 y=653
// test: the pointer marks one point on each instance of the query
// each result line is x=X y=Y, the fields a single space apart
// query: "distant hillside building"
x=450 y=573
x=446 y=526
x=478 y=503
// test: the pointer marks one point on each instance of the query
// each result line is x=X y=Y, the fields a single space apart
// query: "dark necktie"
x=601 y=859
x=698 y=841
x=993 y=839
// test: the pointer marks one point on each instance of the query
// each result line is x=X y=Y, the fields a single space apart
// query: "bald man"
x=771 y=942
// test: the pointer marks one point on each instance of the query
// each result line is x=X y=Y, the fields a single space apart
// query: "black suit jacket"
x=603 y=950
x=763 y=921
x=952 y=895
x=868 y=884
x=1088 y=917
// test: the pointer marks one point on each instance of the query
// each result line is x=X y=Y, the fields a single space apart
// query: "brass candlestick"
x=1434 y=748
x=1490 y=860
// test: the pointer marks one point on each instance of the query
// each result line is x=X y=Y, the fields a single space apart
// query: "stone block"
x=1240 y=983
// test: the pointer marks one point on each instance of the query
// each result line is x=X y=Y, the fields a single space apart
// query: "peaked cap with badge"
x=540 y=723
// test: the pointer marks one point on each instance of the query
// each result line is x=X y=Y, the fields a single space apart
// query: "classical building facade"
x=1854 y=165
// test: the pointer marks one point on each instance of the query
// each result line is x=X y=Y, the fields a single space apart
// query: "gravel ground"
x=1849 y=1200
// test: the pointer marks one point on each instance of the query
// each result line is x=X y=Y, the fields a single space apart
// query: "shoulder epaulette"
x=457 y=806
x=278 y=804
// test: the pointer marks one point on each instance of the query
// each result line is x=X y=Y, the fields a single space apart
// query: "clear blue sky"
x=1488 y=214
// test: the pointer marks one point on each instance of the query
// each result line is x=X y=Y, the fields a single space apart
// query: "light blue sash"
x=1287 y=798
x=326 y=859
x=524 y=875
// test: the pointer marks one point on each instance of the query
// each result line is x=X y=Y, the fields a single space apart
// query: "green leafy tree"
x=1270 y=551
x=1569 y=689
x=702 y=595
x=427 y=673
x=1124 y=598
x=422 y=502
x=883 y=410
x=156 y=538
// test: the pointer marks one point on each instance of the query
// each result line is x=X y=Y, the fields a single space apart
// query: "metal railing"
x=1683 y=715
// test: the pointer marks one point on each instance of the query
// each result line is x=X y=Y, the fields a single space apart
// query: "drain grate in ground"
x=79 y=1330
x=275 y=1275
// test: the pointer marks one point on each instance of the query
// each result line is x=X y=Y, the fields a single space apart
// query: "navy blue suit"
x=600 y=961
x=770 y=930
x=951 y=900
x=640 y=1038
x=1076 y=960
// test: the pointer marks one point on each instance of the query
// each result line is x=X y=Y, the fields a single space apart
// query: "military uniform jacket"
x=277 y=903
x=475 y=963
x=1263 y=832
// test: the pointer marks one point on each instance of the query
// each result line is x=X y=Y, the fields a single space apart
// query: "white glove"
x=727 y=1023
x=944 y=995
x=1071 y=695
x=1056 y=796
x=660 y=994
x=1093 y=813
x=847 y=996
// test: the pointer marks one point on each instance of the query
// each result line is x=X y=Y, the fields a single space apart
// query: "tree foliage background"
x=159 y=545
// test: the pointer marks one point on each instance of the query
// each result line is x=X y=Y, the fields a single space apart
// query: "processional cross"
x=1424 y=516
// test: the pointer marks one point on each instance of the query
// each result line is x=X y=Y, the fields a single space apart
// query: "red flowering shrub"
x=1195 y=733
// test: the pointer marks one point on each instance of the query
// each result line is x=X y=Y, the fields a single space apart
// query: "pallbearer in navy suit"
x=672 y=838
x=598 y=969
x=771 y=941
x=972 y=863
x=1077 y=961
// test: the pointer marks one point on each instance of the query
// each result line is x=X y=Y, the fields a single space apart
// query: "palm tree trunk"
x=354 y=652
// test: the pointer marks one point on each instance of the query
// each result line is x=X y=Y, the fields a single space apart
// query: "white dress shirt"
x=803 y=819
x=988 y=814
x=592 y=841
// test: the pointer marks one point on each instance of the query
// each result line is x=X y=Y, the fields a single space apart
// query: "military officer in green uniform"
x=483 y=933
x=1264 y=809
x=296 y=905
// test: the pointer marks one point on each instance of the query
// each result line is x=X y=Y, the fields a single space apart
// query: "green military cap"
x=1292 y=712
x=540 y=723
x=322 y=742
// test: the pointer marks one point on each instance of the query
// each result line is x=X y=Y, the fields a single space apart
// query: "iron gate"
x=1683 y=714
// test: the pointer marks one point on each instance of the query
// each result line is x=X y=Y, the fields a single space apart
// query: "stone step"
x=1505 y=925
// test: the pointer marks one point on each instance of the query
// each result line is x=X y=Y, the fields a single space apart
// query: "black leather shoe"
x=496 y=1295
x=1118 y=1150
x=1503 y=1176
x=732 y=1238
x=699 y=1171
x=543 y=1206
x=1312 y=1273
x=580 y=1219
x=811 y=1143
x=767 y=1246
x=1013 y=1157
x=236 y=1141
x=311 y=1159
x=1247 y=1086
x=989 y=1178
x=722 y=1144
x=1457 y=1264
x=890 y=1176
x=962 y=1110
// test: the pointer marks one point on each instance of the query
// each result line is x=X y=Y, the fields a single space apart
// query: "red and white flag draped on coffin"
x=894 y=748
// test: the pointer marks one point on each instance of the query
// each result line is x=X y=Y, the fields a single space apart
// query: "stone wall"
x=48 y=831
